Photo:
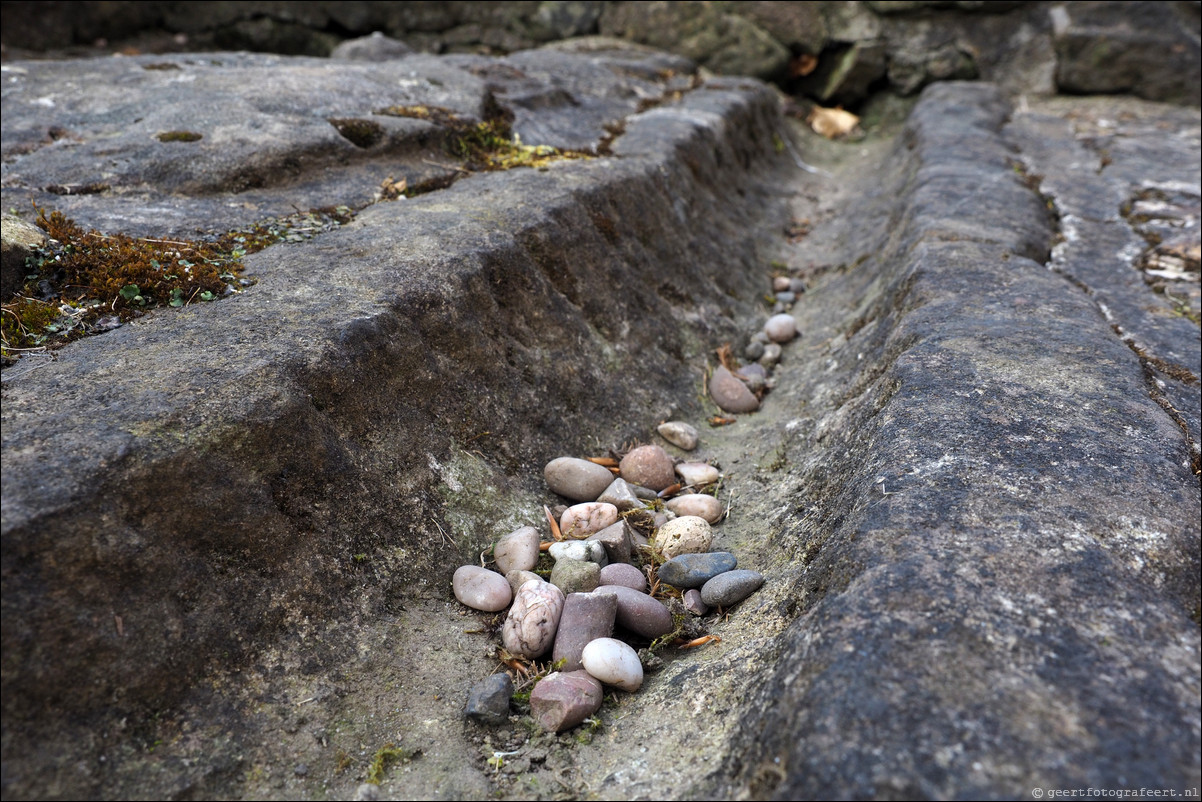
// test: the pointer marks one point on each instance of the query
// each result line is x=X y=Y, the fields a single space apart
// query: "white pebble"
x=614 y=663
x=679 y=434
x=697 y=473
x=781 y=328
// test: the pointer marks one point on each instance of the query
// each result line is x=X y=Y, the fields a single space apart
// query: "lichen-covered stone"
x=688 y=534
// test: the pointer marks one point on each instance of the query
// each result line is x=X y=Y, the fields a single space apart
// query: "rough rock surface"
x=971 y=498
x=234 y=479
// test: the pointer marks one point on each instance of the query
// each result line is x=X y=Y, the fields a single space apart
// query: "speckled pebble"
x=577 y=479
x=694 y=570
x=614 y=663
x=529 y=628
x=480 y=588
x=731 y=587
x=517 y=551
x=562 y=700
x=731 y=394
x=781 y=328
x=679 y=434
x=581 y=520
x=624 y=574
x=697 y=474
x=699 y=504
x=649 y=466
x=688 y=534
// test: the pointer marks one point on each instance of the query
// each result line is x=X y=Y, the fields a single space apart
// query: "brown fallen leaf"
x=802 y=65
x=832 y=123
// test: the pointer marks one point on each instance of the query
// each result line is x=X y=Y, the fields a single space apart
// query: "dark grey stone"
x=694 y=570
x=488 y=701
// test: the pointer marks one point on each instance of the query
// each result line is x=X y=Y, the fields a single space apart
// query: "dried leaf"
x=832 y=123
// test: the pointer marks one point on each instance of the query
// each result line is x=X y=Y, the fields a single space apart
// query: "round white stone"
x=781 y=328
x=614 y=663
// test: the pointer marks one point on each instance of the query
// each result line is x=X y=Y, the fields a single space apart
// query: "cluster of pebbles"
x=631 y=558
x=739 y=389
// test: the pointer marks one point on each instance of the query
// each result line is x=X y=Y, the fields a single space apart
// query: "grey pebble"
x=731 y=587
x=616 y=541
x=797 y=286
x=694 y=570
x=771 y=355
x=621 y=495
x=786 y=297
x=754 y=350
x=488 y=702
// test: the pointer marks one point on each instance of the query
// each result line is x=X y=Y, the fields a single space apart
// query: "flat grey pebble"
x=694 y=570
x=621 y=495
x=786 y=297
x=616 y=541
x=731 y=587
x=679 y=434
x=488 y=701
x=754 y=350
x=797 y=286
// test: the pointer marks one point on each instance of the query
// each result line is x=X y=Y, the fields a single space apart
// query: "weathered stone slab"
x=207 y=482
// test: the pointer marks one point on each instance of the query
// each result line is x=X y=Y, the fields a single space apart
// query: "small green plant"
x=385 y=756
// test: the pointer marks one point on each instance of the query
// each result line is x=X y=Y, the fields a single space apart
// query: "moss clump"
x=179 y=136
x=83 y=282
x=387 y=755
